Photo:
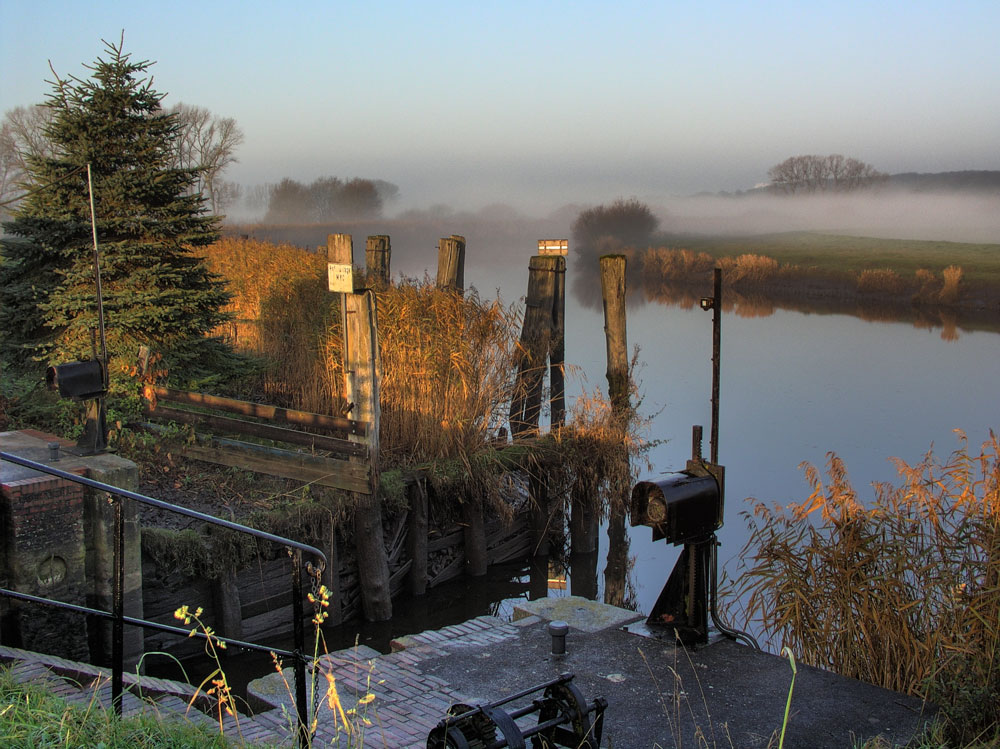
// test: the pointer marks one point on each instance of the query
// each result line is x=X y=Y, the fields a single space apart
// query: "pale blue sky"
x=540 y=104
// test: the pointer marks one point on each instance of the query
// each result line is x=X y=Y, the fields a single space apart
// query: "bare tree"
x=812 y=173
x=22 y=135
x=208 y=143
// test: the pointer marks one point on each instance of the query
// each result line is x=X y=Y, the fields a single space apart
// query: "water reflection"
x=619 y=586
x=748 y=303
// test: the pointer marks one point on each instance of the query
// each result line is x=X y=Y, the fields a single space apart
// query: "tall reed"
x=448 y=363
x=880 y=281
x=748 y=268
x=952 y=278
x=448 y=360
x=902 y=591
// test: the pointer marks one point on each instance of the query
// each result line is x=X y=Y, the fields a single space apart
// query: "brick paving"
x=406 y=703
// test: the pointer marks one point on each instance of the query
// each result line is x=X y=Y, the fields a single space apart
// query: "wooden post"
x=229 y=613
x=616 y=570
x=416 y=538
x=451 y=263
x=331 y=573
x=362 y=370
x=536 y=337
x=583 y=523
x=557 y=357
x=377 y=254
x=541 y=532
x=583 y=575
x=474 y=533
x=613 y=293
x=538 y=579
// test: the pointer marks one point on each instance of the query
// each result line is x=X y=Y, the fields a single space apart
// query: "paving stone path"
x=405 y=706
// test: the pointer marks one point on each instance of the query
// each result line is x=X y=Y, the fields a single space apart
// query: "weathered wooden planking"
x=341 y=447
x=261 y=411
x=452 y=538
x=336 y=474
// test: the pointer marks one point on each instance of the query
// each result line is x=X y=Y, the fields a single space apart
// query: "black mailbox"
x=681 y=508
x=80 y=380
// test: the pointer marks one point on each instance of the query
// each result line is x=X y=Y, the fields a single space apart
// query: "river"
x=794 y=386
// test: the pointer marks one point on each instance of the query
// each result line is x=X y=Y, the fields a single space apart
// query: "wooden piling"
x=583 y=520
x=361 y=367
x=616 y=570
x=613 y=293
x=362 y=371
x=557 y=354
x=416 y=538
x=536 y=339
x=228 y=611
x=378 y=252
x=331 y=573
x=451 y=263
x=583 y=575
x=538 y=578
x=541 y=531
x=474 y=532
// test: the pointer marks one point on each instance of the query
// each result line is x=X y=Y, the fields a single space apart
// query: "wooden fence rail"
x=348 y=464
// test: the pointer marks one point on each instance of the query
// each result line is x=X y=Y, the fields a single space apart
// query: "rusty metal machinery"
x=563 y=720
x=686 y=509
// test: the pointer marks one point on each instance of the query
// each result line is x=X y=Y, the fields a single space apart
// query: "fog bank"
x=956 y=217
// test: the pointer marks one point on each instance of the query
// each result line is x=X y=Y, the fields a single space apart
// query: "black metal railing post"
x=118 y=609
x=117 y=615
x=298 y=628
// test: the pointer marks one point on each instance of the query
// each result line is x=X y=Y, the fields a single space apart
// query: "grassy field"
x=836 y=253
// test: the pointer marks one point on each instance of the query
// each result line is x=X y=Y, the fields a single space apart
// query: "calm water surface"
x=795 y=386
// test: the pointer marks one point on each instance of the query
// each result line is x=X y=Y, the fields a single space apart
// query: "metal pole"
x=97 y=280
x=101 y=426
x=118 y=606
x=298 y=628
x=716 y=352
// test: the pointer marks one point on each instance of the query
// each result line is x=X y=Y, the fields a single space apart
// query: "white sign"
x=340 y=277
x=553 y=246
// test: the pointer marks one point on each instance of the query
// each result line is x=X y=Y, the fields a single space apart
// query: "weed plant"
x=30 y=716
x=902 y=591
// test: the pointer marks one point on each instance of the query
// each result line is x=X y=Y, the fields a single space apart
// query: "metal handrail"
x=118 y=615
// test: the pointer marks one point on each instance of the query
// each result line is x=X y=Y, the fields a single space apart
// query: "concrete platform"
x=658 y=695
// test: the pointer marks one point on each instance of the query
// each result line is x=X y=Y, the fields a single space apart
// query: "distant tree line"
x=326 y=199
x=811 y=173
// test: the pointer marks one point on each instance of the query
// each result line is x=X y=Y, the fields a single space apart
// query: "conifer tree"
x=156 y=290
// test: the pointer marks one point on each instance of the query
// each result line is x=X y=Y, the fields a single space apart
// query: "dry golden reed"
x=447 y=360
x=952 y=278
x=902 y=591
x=448 y=363
x=880 y=281
x=283 y=315
x=669 y=265
x=748 y=268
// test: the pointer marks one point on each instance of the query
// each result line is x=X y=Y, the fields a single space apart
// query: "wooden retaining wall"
x=261 y=592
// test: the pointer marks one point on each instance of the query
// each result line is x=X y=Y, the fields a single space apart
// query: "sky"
x=538 y=105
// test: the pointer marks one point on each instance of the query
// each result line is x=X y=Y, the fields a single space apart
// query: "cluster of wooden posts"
x=383 y=563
